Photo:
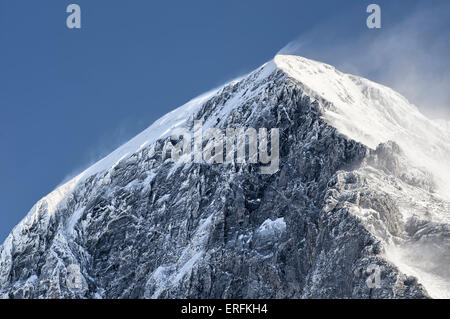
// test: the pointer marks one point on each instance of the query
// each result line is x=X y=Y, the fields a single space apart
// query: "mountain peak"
x=371 y=113
x=353 y=153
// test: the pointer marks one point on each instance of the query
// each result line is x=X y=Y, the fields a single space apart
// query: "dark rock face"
x=152 y=228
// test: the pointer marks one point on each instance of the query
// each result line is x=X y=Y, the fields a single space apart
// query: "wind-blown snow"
x=159 y=129
x=417 y=262
x=362 y=110
x=371 y=113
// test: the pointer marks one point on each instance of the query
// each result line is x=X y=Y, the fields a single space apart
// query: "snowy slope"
x=161 y=128
x=361 y=110
x=371 y=113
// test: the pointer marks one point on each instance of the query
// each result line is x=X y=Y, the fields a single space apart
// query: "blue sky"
x=69 y=97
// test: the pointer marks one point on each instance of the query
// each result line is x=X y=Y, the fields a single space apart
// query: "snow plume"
x=373 y=114
x=426 y=261
x=106 y=144
x=409 y=55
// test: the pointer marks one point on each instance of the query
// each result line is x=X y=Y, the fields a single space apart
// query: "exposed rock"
x=152 y=228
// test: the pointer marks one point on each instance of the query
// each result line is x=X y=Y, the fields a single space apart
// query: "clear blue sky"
x=69 y=97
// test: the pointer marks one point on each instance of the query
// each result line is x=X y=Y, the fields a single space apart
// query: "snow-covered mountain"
x=359 y=207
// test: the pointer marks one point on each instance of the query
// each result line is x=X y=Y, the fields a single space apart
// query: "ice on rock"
x=363 y=180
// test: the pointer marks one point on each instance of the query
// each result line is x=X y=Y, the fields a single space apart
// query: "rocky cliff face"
x=330 y=223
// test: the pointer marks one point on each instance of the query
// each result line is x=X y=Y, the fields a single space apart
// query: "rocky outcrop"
x=153 y=228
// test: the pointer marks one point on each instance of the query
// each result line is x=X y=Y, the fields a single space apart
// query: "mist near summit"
x=409 y=55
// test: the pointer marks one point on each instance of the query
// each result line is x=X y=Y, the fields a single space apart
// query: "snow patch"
x=73 y=220
x=168 y=276
x=272 y=228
